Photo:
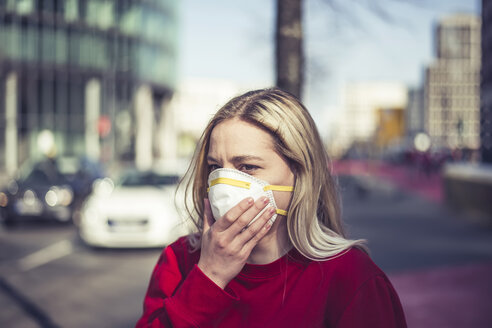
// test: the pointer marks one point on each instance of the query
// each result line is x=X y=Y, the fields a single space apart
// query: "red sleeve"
x=375 y=304
x=174 y=301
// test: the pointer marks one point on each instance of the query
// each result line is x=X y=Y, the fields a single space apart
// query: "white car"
x=138 y=211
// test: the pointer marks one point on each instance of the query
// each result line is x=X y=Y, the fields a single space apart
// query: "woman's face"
x=245 y=147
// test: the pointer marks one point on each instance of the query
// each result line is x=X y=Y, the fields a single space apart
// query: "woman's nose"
x=228 y=166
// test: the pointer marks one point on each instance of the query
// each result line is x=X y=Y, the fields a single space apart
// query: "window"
x=125 y=54
x=48 y=44
x=130 y=20
x=47 y=104
x=85 y=47
x=13 y=37
x=71 y=10
x=25 y=7
x=93 y=51
x=100 y=13
x=155 y=26
x=76 y=116
x=30 y=43
x=47 y=6
x=106 y=14
x=74 y=48
x=61 y=105
x=61 y=47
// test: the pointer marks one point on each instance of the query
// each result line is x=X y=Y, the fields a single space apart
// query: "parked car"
x=43 y=193
x=137 y=211
x=50 y=189
x=81 y=172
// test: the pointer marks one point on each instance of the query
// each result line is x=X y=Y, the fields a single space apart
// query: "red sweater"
x=348 y=290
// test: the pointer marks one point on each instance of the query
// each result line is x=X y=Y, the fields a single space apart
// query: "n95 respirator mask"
x=227 y=187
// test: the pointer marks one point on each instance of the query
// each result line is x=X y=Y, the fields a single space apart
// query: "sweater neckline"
x=276 y=267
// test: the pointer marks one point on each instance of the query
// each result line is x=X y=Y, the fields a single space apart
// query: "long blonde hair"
x=314 y=215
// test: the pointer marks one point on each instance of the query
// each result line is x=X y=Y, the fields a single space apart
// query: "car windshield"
x=148 y=179
x=43 y=175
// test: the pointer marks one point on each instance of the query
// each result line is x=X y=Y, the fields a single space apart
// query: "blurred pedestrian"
x=270 y=251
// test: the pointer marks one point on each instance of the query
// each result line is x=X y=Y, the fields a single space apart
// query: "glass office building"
x=86 y=71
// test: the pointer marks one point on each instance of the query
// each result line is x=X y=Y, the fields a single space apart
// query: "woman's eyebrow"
x=244 y=158
x=211 y=159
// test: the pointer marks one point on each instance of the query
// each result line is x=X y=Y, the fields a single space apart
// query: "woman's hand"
x=227 y=242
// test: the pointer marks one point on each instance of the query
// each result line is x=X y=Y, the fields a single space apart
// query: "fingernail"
x=271 y=210
x=265 y=200
x=250 y=201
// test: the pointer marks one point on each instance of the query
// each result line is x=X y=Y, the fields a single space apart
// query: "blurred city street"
x=439 y=261
x=103 y=103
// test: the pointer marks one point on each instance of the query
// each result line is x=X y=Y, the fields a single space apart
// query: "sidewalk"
x=404 y=177
x=439 y=261
x=451 y=297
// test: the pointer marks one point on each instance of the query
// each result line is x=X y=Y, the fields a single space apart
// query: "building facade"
x=486 y=84
x=390 y=127
x=362 y=103
x=95 y=74
x=414 y=112
x=452 y=84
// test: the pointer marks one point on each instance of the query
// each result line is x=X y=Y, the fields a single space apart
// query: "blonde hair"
x=314 y=215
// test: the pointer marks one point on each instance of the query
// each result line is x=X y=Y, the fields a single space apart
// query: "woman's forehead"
x=237 y=136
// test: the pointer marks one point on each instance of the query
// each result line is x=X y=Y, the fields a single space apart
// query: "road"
x=439 y=261
x=59 y=282
x=408 y=232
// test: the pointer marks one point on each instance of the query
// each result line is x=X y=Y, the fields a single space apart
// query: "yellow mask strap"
x=278 y=188
x=281 y=212
x=229 y=181
x=247 y=185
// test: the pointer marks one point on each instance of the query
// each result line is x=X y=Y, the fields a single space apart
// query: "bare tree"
x=289 y=56
x=289 y=48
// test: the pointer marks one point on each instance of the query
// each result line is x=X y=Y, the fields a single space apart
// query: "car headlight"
x=4 y=199
x=59 y=196
x=13 y=187
x=65 y=196
x=103 y=187
x=51 y=198
x=30 y=197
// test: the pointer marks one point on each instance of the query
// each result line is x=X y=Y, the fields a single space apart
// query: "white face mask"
x=227 y=187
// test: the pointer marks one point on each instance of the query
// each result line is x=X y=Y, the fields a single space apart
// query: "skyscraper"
x=452 y=83
x=89 y=72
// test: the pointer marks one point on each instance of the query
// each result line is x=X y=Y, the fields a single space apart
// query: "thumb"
x=208 y=217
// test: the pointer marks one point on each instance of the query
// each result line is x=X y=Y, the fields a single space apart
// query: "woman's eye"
x=213 y=167
x=247 y=167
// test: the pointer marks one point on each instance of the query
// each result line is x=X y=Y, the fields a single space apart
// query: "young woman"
x=270 y=251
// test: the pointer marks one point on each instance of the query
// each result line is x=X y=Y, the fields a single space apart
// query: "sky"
x=345 y=41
